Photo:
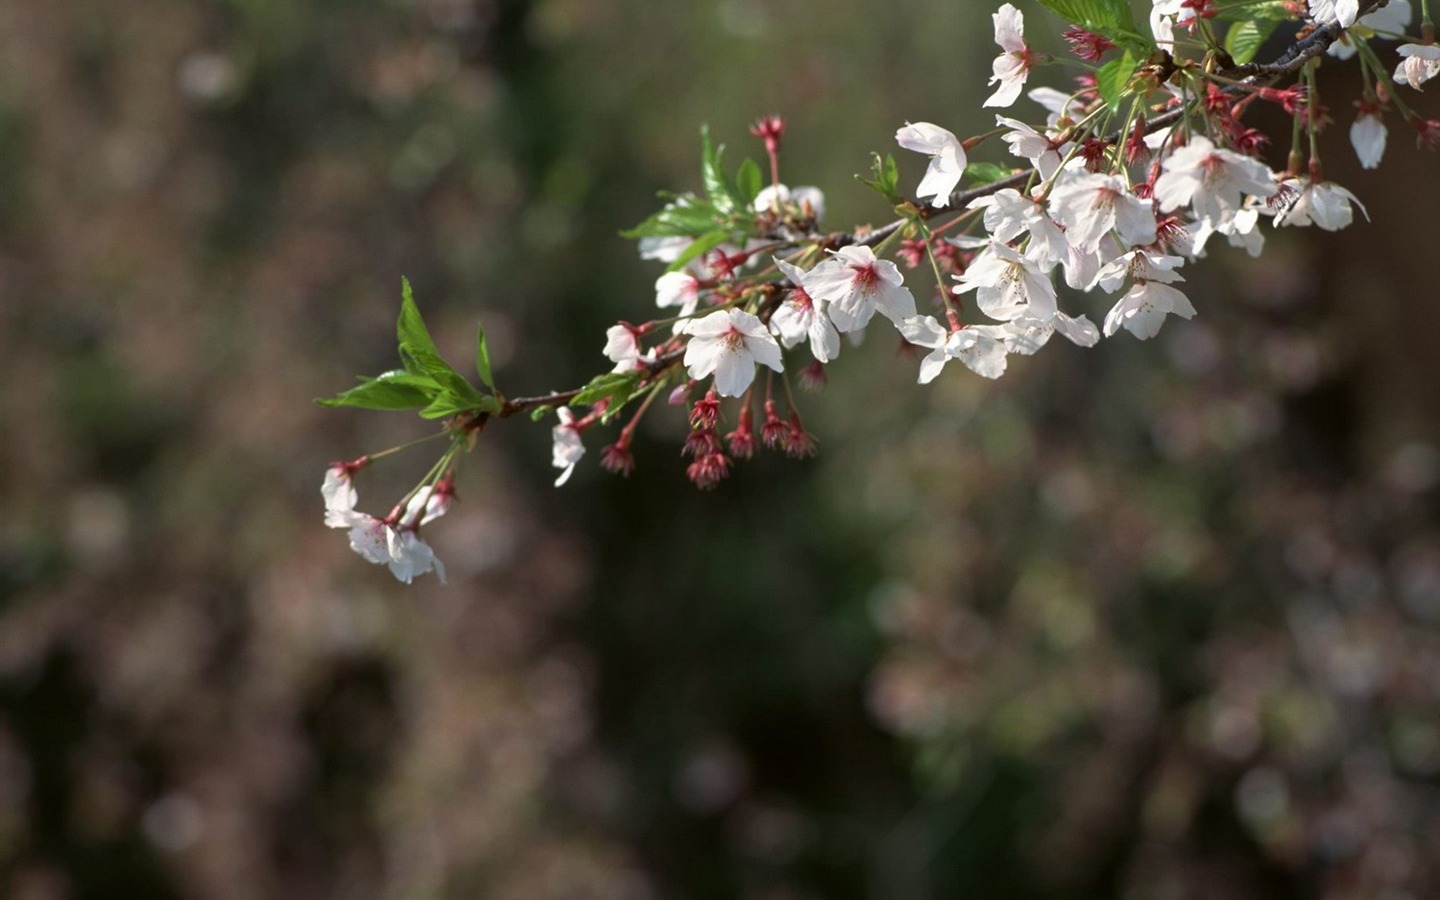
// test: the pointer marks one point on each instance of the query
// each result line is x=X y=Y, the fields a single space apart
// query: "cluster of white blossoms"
x=1111 y=188
x=393 y=541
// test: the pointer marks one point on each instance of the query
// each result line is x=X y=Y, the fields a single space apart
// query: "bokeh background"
x=1154 y=620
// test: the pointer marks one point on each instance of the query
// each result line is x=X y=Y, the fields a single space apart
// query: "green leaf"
x=1244 y=39
x=985 y=172
x=698 y=247
x=410 y=330
x=446 y=405
x=613 y=386
x=482 y=358
x=1251 y=11
x=885 y=177
x=392 y=390
x=748 y=181
x=685 y=217
x=718 y=188
x=1113 y=77
x=1108 y=18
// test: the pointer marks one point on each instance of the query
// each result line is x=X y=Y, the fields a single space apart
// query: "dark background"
x=1153 y=620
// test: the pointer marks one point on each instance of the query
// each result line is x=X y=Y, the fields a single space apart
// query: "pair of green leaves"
x=426 y=381
x=722 y=215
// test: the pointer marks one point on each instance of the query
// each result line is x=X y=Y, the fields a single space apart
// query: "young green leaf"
x=613 y=386
x=698 y=247
x=885 y=177
x=718 y=188
x=748 y=181
x=1251 y=11
x=410 y=329
x=1244 y=39
x=482 y=358
x=392 y=390
x=1108 y=18
x=1113 y=77
x=447 y=404
x=986 y=172
x=686 y=216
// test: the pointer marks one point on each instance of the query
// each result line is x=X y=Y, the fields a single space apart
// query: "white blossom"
x=1367 y=136
x=1420 y=64
x=1143 y=309
x=801 y=317
x=1241 y=229
x=1009 y=214
x=340 y=497
x=567 y=448
x=428 y=504
x=728 y=343
x=1327 y=12
x=854 y=284
x=677 y=289
x=1392 y=18
x=1012 y=66
x=1030 y=145
x=947 y=159
x=1324 y=204
x=1165 y=15
x=1007 y=285
x=979 y=347
x=809 y=200
x=378 y=542
x=1211 y=179
x=1024 y=336
x=1091 y=204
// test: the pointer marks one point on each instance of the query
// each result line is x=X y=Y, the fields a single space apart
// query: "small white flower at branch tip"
x=567 y=448
x=1143 y=309
x=947 y=159
x=1012 y=66
x=1420 y=64
x=1324 y=204
x=1030 y=145
x=401 y=550
x=980 y=348
x=801 y=317
x=622 y=347
x=1367 y=136
x=1007 y=285
x=339 y=492
x=1091 y=204
x=804 y=198
x=854 y=284
x=677 y=289
x=1328 y=12
x=728 y=343
x=1210 y=179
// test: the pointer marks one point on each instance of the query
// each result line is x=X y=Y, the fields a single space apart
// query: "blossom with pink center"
x=379 y=542
x=339 y=492
x=1143 y=309
x=854 y=284
x=1091 y=205
x=727 y=344
x=1211 y=179
x=1012 y=66
x=800 y=317
x=1392 y=18
x=947 y=159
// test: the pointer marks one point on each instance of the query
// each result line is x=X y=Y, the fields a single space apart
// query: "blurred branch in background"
x=1161 y=625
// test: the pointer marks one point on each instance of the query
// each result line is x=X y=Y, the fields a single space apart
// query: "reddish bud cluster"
x=1086 y=44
